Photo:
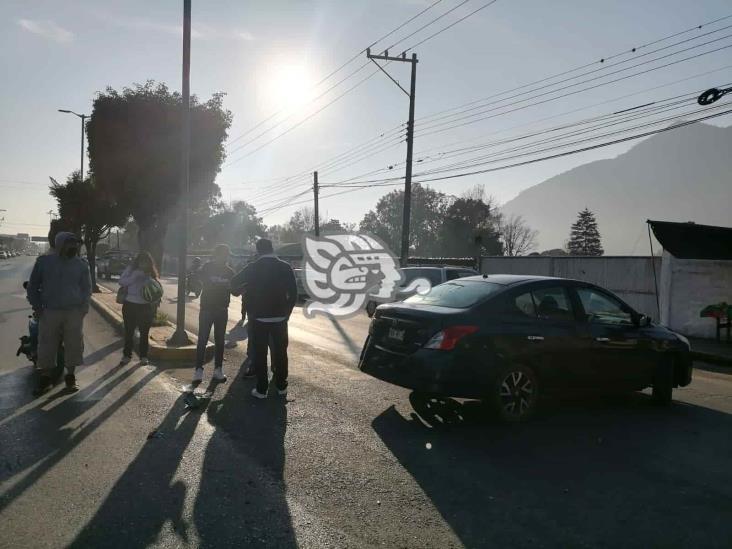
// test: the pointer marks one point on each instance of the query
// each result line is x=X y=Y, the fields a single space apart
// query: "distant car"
x=3 y=255
x=113 y=263
x=436 y=275
x=510 y=339
x=302 y=292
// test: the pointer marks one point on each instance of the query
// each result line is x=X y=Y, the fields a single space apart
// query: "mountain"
x=679 y=175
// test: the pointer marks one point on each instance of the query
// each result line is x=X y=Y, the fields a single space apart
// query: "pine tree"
x=584 y=238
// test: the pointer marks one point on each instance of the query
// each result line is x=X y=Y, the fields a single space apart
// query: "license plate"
x=396 y=334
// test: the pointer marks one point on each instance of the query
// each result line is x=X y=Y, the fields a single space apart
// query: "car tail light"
x=447 y=339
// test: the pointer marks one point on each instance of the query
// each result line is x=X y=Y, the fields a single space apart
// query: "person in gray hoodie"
x=59 y=291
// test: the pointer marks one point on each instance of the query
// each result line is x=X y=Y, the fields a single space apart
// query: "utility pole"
x=404 y=256
x=180 y=337
x=315 y=196
x=83 y=129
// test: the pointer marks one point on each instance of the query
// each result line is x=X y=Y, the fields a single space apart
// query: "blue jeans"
x=216 y=318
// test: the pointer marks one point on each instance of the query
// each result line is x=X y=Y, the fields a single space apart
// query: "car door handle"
x=602 y=339
x=535 y=338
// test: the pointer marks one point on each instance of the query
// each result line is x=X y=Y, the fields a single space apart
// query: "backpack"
x=152 y=291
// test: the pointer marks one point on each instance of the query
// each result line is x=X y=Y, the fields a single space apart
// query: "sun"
x=288 y=86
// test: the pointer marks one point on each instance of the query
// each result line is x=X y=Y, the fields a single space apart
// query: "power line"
x=338 y=69
x=470 y=119
x=430 y=37
x=584 y=66
x=603 y=60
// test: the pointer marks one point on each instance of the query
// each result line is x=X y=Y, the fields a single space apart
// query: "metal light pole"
x=83 y=129
x=180 y=337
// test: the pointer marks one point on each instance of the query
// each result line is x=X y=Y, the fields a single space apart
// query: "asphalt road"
x=345 y=460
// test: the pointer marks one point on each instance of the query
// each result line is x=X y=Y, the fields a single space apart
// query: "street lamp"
x=83 y=119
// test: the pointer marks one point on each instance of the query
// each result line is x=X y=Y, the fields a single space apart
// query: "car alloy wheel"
x=517 y=394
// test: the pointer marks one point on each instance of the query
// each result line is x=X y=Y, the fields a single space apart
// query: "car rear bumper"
x=440 y=372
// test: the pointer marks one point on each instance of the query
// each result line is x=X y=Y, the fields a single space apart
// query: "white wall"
x=689 y=285
x=629 y=277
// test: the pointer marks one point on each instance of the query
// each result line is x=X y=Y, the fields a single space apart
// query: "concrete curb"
x=158 y=350
x=711 y=358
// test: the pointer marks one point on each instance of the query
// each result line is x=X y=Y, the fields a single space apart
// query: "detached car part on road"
x=509 y=339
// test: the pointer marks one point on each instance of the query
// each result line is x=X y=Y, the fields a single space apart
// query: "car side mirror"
x=642 y=320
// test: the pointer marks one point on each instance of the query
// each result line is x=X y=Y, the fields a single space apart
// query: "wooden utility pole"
x=406 y=213
x=315 y=206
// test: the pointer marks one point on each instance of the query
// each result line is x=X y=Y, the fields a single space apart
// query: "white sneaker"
x=219 y=375
x=144 y=362
x=257 y=394
x=125 y=360
x=198 y=375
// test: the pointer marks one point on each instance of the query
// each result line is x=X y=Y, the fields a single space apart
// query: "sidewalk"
x=105 y=303
x=709 y=350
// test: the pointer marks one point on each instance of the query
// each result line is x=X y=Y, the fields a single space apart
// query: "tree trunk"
x=91 y=256
x=150 y=238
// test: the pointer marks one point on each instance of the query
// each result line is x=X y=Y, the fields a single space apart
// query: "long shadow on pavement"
x=241 y=498
x=39 y=438
x=612 y=472
x=146 y=496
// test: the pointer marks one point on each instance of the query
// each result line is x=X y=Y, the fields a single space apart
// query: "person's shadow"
x=241 y=498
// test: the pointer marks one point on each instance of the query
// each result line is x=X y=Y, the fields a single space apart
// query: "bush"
x=161 y=319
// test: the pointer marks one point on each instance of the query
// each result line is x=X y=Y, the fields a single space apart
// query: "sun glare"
x=288 y=86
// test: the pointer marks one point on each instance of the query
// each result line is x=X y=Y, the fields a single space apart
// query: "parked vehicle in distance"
x=436 y=275
x=3 y=255
x=509 y=339
x=113 y=263
x=302 y=292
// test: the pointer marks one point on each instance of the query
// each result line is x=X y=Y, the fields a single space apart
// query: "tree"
x=334 y=226
x=584 y=238
x=517 y=237
x=427 y=213
x=87 y=210
x=135 y=150
x=237 y=226
x=470 y=226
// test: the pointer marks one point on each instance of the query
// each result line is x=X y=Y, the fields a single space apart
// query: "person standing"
x=137 y=311
x=216 y=278
x=59 y=291
x=271 y=293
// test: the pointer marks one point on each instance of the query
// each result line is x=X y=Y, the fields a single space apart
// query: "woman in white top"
x=137 y=313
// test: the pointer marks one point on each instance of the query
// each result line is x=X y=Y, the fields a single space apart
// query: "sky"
x=268 y=57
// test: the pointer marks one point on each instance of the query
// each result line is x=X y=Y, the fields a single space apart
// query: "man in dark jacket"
x=215 y=278
x=59 y=290
x=271 y=292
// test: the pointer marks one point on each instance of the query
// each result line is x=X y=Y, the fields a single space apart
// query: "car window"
x=457 y=294
x=553 y=304
x=452 y=274
x=518 y=306
x=602 y=309
x=433 y=275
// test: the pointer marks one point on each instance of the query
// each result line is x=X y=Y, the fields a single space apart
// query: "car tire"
x=663 y=382
x=371 y=308
x=516 y=393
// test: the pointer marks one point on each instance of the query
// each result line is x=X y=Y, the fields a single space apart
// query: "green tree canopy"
x=470 y=225
x=584 y=238
x=87 y=210
x=135 y=152
x=427 y=214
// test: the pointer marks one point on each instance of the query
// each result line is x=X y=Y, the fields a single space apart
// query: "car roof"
x=515 y=279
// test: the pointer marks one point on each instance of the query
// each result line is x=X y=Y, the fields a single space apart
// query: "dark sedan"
x=509 y=339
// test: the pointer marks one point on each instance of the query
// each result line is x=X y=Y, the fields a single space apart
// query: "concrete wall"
x=629 y=277
x=689 y=285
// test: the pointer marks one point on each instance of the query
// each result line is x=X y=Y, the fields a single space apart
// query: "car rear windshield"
x=457 y=294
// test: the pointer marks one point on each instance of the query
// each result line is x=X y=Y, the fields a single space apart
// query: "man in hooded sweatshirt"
x=59 y=290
